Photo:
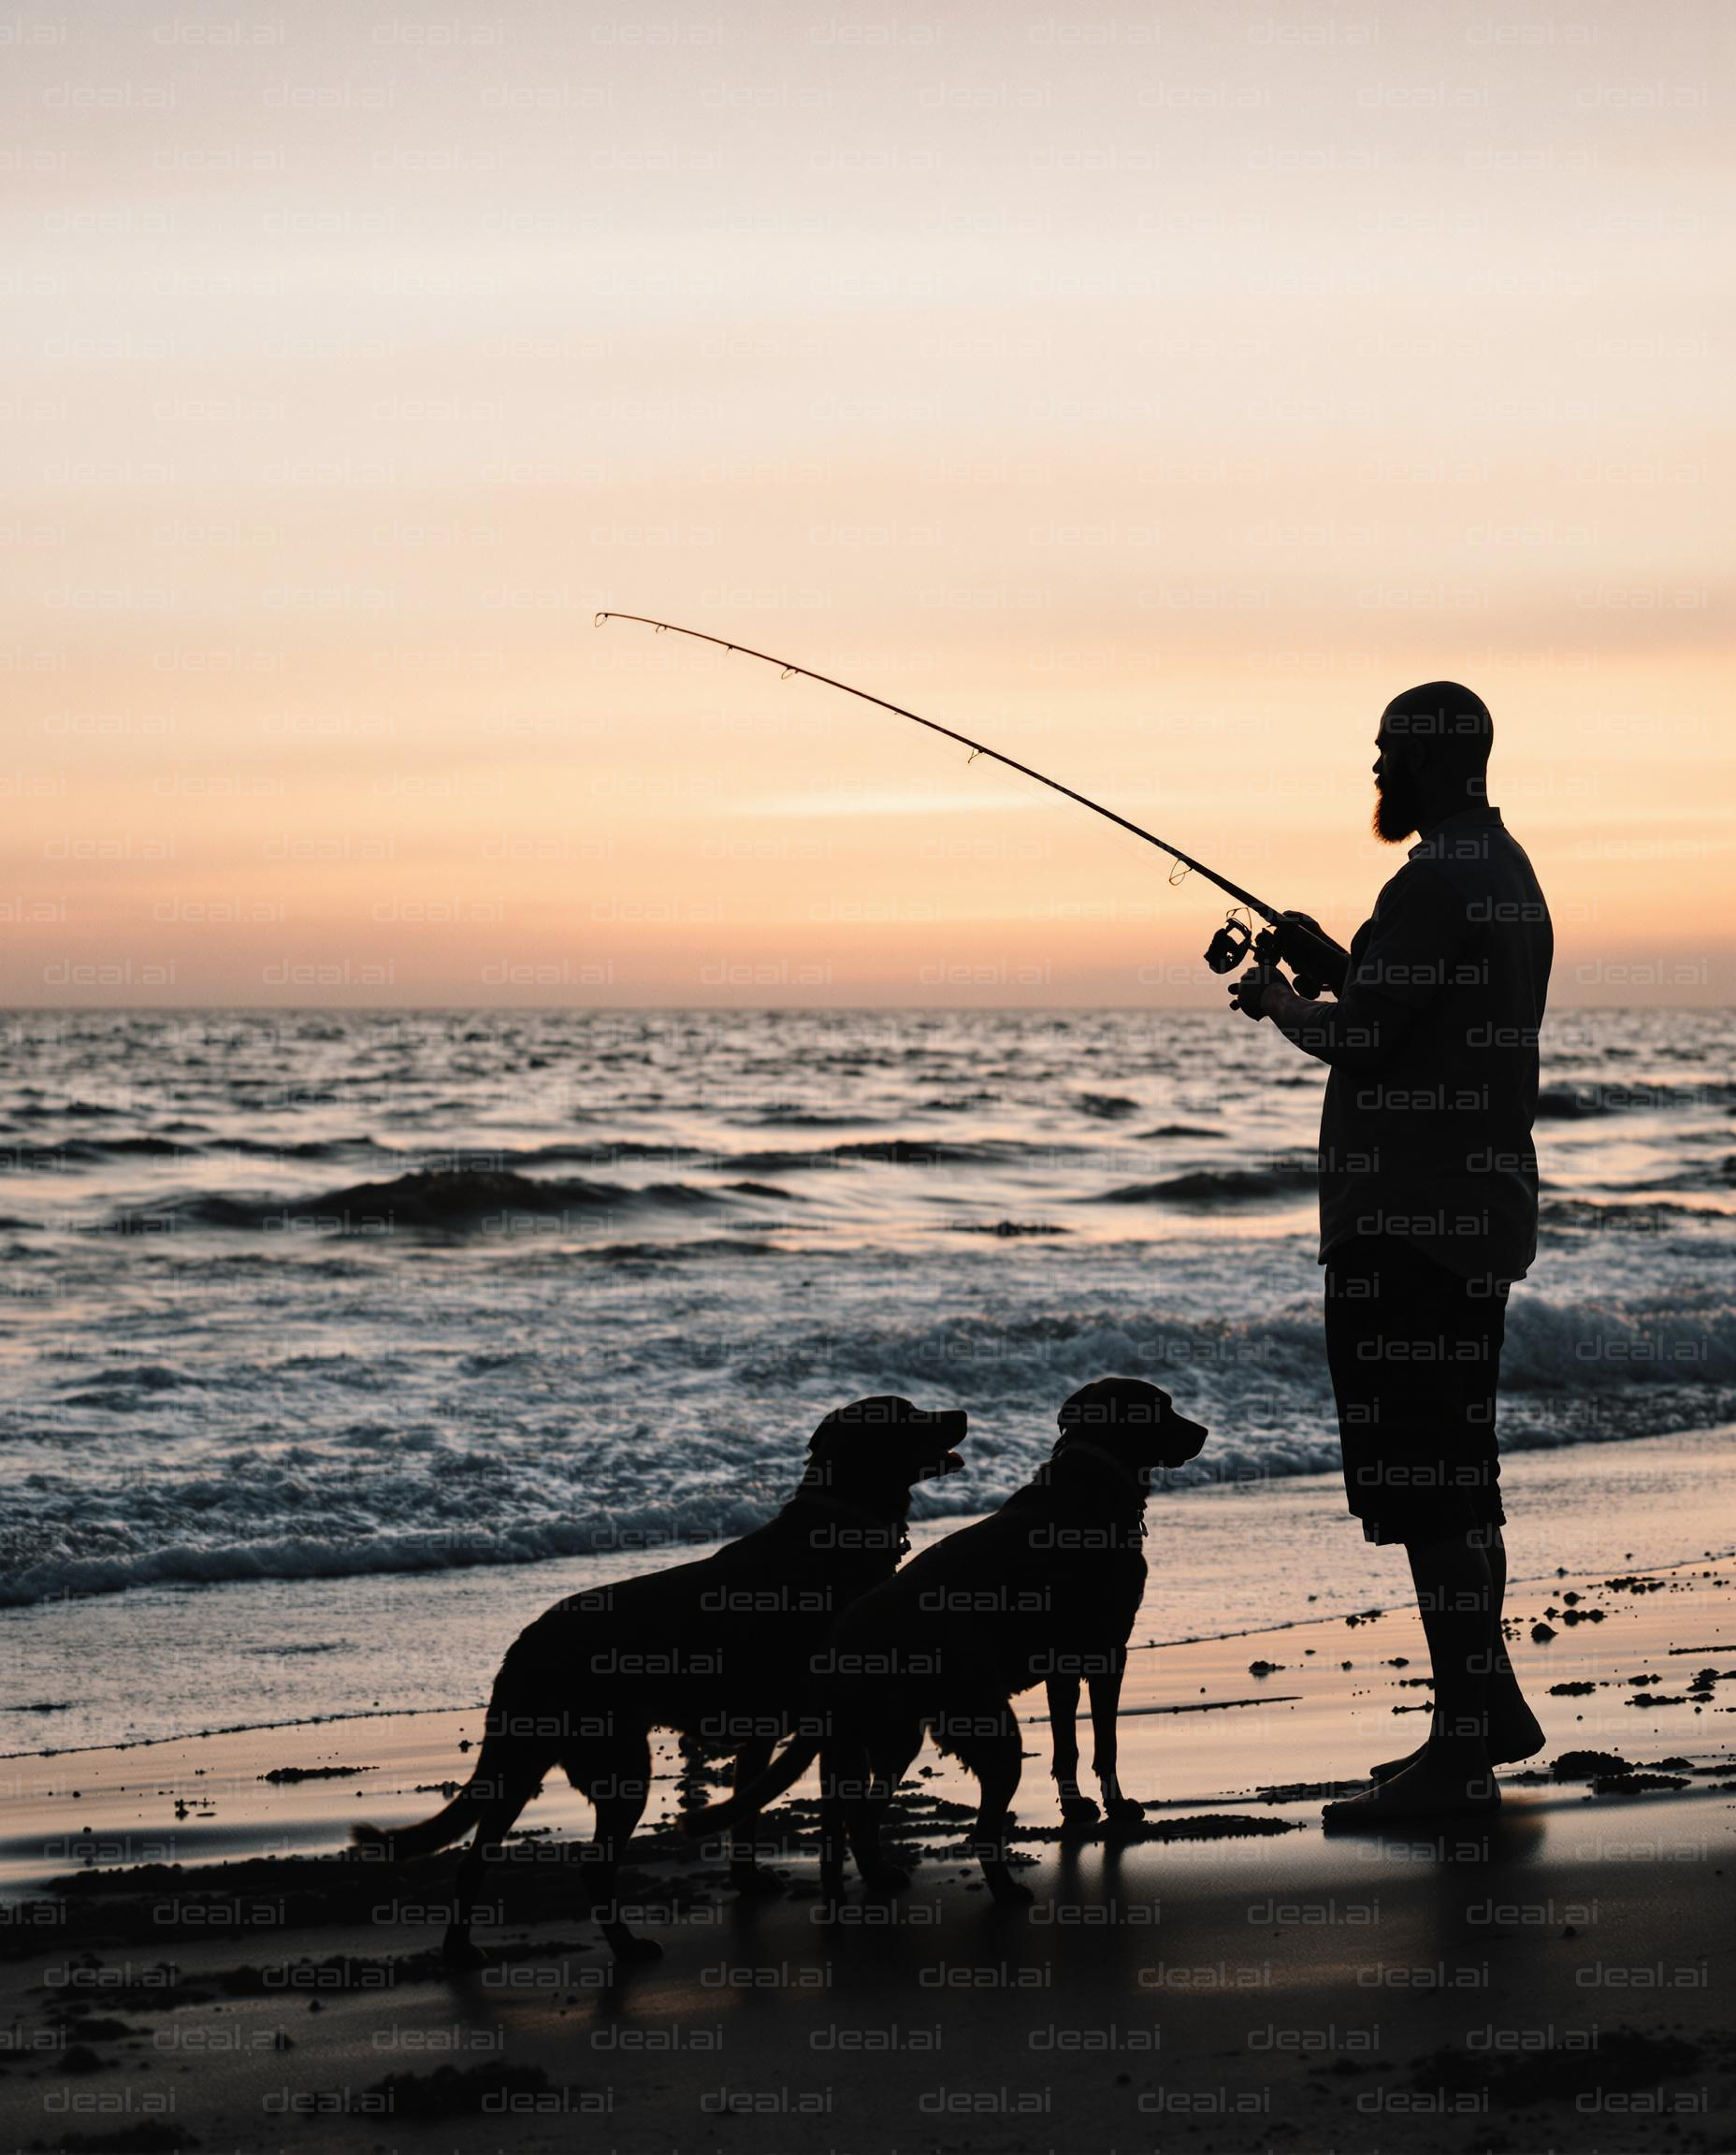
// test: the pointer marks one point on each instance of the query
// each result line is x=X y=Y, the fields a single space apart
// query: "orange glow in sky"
x=1154 y=394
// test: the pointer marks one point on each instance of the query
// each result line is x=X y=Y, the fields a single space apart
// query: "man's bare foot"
x=1445 y=1778
x=1514 y=1733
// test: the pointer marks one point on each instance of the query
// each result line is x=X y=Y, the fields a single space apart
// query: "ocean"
x=322 y=1323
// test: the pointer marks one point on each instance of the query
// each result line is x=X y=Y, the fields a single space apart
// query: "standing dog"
x=719 y=1649
x=1045 y=1590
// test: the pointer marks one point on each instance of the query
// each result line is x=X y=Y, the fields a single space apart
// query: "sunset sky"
x=1154 y=394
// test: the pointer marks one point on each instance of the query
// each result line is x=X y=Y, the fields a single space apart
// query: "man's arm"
x=1354 y=1034
x=1417 y=933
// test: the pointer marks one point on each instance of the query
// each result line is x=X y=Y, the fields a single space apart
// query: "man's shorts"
x=1415 y=1354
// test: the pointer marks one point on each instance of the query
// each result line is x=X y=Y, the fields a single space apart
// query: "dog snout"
x=945 y=1429
x=941 y=1425
x=1185 y=1438
x=937 y=1434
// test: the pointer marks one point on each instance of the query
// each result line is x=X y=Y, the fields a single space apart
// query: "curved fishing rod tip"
x=598 y=618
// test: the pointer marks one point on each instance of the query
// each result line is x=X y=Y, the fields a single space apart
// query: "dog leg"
x=619 y=1796
x=838 y=1764
x=995 y=1755
x=745 y=1875
x=1063 y=1718
x=1106 y=1698
x=511 y=1796
x=886 y=1761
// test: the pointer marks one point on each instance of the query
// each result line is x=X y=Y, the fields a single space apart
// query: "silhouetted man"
x=1428 y=1213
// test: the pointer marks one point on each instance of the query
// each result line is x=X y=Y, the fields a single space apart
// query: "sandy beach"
x=1229 y=1978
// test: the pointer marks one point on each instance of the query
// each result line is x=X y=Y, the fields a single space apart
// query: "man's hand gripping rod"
x=1292 y=937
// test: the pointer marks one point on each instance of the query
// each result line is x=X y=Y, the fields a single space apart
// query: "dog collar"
x=850 y=1510
x=1109 y=1460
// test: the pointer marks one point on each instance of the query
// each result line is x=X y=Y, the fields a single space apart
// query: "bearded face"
x=1397 y=800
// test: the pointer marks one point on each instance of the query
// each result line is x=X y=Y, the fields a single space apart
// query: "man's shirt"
x=1426 y=1132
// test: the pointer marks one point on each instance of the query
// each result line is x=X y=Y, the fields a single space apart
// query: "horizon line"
x=697 y=1009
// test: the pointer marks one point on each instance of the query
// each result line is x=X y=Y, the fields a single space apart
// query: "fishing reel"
x=1237 y=942
x=1230 y=946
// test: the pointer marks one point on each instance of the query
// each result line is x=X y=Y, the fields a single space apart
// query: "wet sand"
x=188 y=1959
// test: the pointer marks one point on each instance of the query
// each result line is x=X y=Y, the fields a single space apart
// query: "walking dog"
x=1045 y=1590
x=721 y=1649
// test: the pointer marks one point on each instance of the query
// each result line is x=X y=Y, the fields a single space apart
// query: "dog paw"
x=1125 y=1811
x=1078 y=1811
x=458 y=1952
x=1009 y=1893
x=886 y=1878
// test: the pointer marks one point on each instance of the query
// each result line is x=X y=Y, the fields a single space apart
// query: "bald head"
x=1433 y=758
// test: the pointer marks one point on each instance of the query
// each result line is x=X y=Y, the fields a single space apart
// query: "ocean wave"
x=96 y=1151
x=1264 y=1374
x=1007 y=1229
x=690 y=1249
x=85 y=1153
x=1106 y=1107
x=608 y=1154
x=460 y=1201
x=144 y=1377
x=906 y=1153
x=30 y=1109
x=1583 y=1347
x=149 y=1147
x=285 y=1548
x=300 y=1148
x=866 y=1151
x=477 y=1159
x=776 y=1117
x=1573 y=1103
x=931 y=1151
x=1204 y=1189
x=1713 y=1174
x=1570 y=1102
x=125 y=1390
x=431 y=1549
x=1593 y=1215
x=498 y=1486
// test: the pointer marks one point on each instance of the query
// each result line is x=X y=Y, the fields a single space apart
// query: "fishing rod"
x=1287 y=937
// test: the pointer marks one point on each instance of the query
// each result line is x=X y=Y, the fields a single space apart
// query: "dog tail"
x=788 y=1768
x=440 y=1831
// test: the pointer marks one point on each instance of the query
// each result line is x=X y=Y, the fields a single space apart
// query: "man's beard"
x=1396 y=811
